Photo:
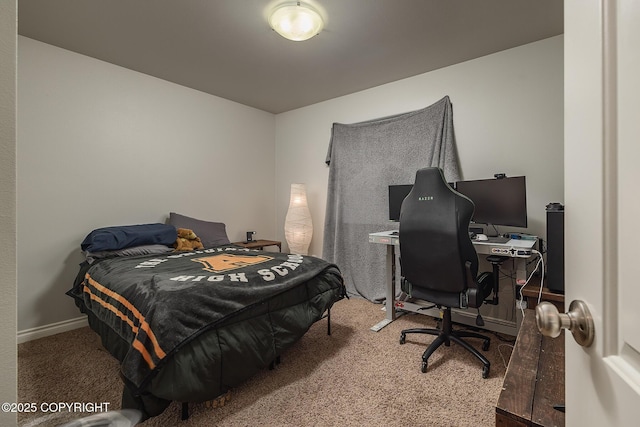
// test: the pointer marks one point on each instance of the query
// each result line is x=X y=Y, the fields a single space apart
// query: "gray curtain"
x=364 y=159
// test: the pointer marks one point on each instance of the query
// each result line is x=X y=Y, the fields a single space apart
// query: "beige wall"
x=8 y=353
x=508 y=117
x=101 y=145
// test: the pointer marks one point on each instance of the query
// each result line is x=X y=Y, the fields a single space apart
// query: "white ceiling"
x=226 y=48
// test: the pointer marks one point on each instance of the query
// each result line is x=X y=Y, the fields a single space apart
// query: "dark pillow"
x=127 y=236
x=211 y=233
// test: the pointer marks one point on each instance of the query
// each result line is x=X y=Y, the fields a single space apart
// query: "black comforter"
x=150 y=308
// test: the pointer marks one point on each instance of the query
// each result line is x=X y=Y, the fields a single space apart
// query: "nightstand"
x=530 y=294
x=259 y=244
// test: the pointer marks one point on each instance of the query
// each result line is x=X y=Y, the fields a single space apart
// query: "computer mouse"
x=481 y=237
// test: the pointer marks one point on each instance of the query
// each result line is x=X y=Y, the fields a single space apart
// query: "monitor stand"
x=495 y=231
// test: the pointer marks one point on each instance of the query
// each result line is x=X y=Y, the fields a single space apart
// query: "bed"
x=189 y=326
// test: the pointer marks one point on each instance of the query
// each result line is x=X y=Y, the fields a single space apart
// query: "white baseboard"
x=51 y=329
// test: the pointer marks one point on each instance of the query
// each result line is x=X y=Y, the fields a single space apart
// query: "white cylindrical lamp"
x=298 y=227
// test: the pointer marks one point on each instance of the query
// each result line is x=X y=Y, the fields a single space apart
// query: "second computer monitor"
x=397 y=193
x=500 y=201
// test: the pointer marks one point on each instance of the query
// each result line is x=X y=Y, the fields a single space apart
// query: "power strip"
x=513 y=252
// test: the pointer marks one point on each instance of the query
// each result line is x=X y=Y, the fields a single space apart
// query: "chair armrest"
x=473 y=292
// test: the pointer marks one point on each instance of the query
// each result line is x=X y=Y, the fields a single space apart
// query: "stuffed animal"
x=187 y=240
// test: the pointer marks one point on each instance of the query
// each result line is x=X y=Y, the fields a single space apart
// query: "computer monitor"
x=501 y=201
x=397 y=193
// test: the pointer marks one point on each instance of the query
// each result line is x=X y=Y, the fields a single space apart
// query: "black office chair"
x=438 y=261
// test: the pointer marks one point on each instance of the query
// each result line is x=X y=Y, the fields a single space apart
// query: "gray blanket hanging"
x=364 y=159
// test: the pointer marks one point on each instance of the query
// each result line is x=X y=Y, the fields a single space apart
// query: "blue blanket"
x=126 y=236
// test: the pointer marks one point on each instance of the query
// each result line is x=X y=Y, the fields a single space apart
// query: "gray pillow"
x=211 y=233
x=130 y=251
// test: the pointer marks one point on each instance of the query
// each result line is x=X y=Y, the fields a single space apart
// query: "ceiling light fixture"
x=296 y=21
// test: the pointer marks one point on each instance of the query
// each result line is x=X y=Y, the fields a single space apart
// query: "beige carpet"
x=355 y=377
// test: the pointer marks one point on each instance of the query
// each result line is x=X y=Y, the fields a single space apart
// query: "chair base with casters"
x=445 y=336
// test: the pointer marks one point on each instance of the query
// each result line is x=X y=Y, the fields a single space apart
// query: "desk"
x=534 y=381
x=520 y=250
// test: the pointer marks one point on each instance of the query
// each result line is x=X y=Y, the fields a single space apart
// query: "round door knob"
x=578 y=320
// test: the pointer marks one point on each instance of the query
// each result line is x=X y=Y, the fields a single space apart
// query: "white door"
x=602 y=208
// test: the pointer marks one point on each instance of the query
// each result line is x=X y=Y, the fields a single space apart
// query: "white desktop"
x=518 y=249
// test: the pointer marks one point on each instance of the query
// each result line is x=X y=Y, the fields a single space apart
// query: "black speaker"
x=555 y=247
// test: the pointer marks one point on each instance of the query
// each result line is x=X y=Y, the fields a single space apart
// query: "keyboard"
x=498 y=239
